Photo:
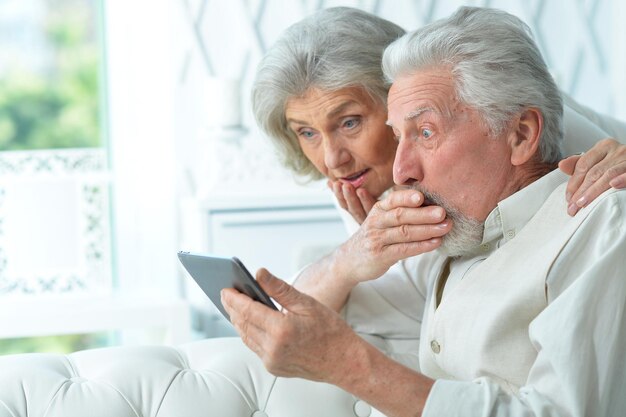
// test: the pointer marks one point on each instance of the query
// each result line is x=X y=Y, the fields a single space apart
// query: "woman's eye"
x=306 y=134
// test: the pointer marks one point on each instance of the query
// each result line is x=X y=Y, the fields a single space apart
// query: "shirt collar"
x=512 y=213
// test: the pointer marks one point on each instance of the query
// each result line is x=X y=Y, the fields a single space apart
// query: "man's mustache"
x=432 y=199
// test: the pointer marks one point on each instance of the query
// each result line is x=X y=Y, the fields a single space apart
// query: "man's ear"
x=525 y=136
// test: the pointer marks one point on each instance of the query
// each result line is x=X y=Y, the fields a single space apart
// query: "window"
x=87 y=202
x=54 y=181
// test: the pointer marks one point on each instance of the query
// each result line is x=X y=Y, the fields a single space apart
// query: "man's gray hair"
x=332 y=49
x=497 y=68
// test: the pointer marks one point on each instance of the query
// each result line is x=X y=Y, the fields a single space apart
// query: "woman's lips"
x=357 y=179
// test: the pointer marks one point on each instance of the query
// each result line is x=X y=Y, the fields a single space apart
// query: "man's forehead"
x=417 y=112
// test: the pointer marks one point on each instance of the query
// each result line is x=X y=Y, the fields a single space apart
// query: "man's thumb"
x=284 y=294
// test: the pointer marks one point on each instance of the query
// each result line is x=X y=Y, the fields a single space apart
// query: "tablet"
x=214 y=273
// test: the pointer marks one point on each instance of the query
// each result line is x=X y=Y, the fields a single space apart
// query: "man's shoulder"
x=594 y=248
x=555 y=207
x=551 y=229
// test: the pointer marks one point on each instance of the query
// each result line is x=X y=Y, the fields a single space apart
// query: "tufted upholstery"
x=213 y=377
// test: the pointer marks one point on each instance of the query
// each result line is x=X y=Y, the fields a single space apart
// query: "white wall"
x=583 y=43
x=160 y=54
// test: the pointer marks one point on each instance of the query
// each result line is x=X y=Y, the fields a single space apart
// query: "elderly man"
x=525 y=312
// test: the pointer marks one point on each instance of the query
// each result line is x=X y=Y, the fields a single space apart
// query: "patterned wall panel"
x=227 y=39
x=58 y=196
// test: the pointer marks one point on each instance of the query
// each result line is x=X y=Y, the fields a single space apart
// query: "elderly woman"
x=320 y=95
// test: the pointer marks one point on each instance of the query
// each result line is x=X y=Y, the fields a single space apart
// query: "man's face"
x=444 y=146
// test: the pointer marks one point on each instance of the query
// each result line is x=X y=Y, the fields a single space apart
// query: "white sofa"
x=209 y=378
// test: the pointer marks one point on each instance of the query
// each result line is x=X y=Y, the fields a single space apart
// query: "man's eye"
x=351 y=123
x=427 y=133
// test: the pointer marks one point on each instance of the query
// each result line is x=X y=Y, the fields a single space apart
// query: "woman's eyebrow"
x=332 y=114
x=340 y=108
x=296 y=121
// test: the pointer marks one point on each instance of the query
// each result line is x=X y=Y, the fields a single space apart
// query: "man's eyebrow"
x=418 y=112
x=414 y=114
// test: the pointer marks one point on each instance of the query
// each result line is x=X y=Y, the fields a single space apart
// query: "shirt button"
x=434 y=346
x=362 y=409
x=510 y=234
x=485 y=247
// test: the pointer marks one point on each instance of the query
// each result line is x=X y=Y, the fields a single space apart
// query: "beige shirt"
x=497 y=291
x=389 y=310
x=539 y=326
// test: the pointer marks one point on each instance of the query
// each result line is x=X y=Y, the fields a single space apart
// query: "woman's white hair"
x=332 y=49
x=497 y=68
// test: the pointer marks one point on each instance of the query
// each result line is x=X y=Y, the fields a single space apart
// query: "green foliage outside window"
x=54 y=344
x=57 y=107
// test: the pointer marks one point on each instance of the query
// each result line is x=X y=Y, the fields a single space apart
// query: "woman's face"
x=343 y=133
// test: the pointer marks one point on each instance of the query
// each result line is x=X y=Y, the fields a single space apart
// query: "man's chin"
x=466 y=235
x=464 y=239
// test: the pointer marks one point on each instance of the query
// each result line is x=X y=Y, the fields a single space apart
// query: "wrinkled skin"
x=594 y=172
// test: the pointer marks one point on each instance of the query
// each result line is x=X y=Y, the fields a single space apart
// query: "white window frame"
x=140 y=83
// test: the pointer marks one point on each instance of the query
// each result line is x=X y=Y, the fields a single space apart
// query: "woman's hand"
x=357 y=202
x=602 y=167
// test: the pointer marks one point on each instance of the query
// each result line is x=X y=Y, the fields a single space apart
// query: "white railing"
x=54 y=222
x=56 y=254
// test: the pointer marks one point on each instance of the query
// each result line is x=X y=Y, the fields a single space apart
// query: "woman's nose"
x=335 y=153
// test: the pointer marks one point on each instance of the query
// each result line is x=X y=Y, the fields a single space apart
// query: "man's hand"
x=306 y=339
x=396 y=228
x=357 y=202
x=594 y=172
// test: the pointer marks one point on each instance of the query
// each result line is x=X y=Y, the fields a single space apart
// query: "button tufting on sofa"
x=207 y=378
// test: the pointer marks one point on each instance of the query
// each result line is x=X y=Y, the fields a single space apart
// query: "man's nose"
x=335 y=153
x=407 y=168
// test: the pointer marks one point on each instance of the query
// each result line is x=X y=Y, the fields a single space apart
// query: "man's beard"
x=466 y=234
